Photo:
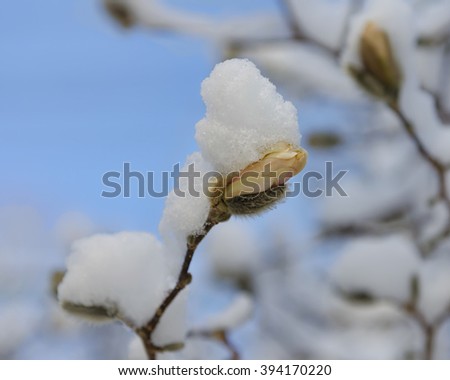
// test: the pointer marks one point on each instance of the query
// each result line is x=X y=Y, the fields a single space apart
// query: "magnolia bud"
x=382 y=74
x=93 y=313
x=262 y=183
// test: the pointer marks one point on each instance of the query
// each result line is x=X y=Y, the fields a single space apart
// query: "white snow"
x=124 y=272
x=380 y=266
x=136 y=350
x=194 y=349
x=447 y=182
x=371 y=195
x=302 y=67
x=250 y=28
x=429 y=61
x=322 y=20
x=233 y=249
x=434 y=20
x=419 y=107
x=395 y=17
x=18 y=322
x=156 y=14
x=186 y=209
x=172 y=327
x=245 y=116
x=445 y=88
x=236 y=314
x=434 y=299
x=435 y=221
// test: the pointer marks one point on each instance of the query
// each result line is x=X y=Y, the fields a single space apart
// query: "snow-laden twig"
x=217 y=215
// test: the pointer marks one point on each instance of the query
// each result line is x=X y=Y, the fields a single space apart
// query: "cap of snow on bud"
x=377 y=56
x=380 y=74
x=115 y=276
x=262 y=183
x=245 y=115
x=250 y=136
x=94 y=314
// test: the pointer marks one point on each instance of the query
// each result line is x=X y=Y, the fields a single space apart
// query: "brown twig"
x=297 y=31
x=439 y=167
x=430 y=329
x=217 y=214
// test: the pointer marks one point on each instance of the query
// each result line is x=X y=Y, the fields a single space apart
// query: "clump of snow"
x=251 y=28
x=136 y=349
x=420 y=109
x=237 y=313
x=156 y=14
x=435 y=221
x=233 y=249
x=187 y=208
x=434 y=21
x=434 y=293
x=429 y=61
x=316 y=320
x=124 y=273
x=372 y=196
x=302 y=67
x=172 y=326
x=380 y=266
x=245 y=116
x=322 y=20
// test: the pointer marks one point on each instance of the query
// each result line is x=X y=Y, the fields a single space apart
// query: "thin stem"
x=217 y=214
x=297 y=31
x=439 y=168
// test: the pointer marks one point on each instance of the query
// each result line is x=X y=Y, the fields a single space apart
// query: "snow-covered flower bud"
x=123 y=276
x=250 y=136
x=377 y=56
x=262 y=183
x=380 y=74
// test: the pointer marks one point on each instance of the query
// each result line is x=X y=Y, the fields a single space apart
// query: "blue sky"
x=79 y=97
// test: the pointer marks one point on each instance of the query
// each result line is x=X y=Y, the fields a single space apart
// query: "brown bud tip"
x=378 y=58
x=274 y=169
x=92 y=313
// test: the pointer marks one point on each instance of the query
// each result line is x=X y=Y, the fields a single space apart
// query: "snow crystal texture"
x=245 y=116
